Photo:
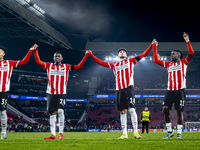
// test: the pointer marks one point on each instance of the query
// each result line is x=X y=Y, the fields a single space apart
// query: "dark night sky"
x=124 y=21
x=111 y=21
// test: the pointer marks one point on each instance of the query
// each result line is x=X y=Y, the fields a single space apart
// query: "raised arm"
x=80 y=65
x=190 y=49
x=37 y=58
x=25 y=60
x=145 y=53
x=99 y=61
x=155 y=54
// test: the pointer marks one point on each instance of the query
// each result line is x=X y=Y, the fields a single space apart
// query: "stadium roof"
x=138 y=46
x=21 y=21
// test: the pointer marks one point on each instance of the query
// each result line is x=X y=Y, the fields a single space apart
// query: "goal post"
x=192 y=125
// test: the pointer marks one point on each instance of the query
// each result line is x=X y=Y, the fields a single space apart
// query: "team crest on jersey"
x=118 y=68
x=174 y=68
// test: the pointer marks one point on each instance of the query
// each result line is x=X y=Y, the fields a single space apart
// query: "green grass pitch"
x=87 y=140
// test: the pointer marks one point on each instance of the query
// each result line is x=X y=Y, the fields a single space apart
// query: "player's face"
x=122 y=54
x=2 y=53
x=58 y=58
x=175 y=55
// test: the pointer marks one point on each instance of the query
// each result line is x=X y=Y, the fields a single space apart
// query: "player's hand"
x=34 y=47
x=154 y=42
x=88 y=52
x=186 y=36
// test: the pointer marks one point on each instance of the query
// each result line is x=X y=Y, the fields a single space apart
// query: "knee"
x=53 y=113
x=166 y=110
x=131 y=110
x=3 y=114
x=124 y=111
x=60 y=112
x=179 y=113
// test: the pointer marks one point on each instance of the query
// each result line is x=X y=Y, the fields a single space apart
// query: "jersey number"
x=182 y=103
x=62 y=102
x=132 y=100
x=4 y=102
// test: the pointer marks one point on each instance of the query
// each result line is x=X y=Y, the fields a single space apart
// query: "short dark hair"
x=179 y=52
x=3 y=49
x=122 y=48
x=58 y=52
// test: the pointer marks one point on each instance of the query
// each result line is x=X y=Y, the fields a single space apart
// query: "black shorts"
x=125 y=98
x=3 y=100
x=55 y=102
x=177 y=97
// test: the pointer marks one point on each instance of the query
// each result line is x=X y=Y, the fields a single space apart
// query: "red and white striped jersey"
x=57 y=78
x=124 y=72
x=177 y=73
x=6 y=68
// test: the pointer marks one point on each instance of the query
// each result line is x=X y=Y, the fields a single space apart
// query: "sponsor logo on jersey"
x=58 y=72
x=174 y=68
x=118 y=68
x=3 y=68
